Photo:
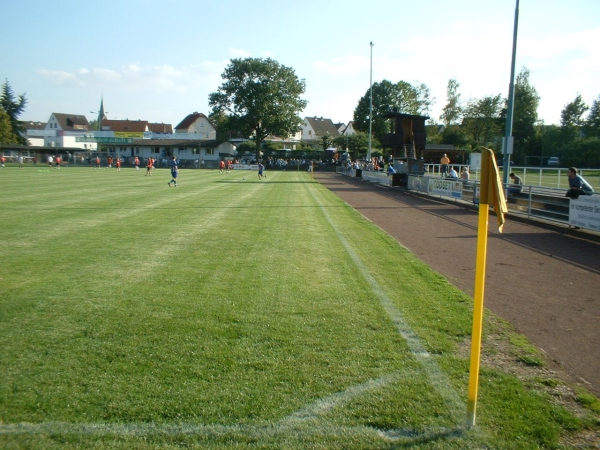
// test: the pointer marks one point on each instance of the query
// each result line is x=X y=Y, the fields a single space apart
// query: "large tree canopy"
x=262 y=97
x=524 y=116
x=387 y=96
x=13 y=108
x=482 y=120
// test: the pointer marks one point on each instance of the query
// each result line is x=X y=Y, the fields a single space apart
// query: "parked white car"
x=553 y=161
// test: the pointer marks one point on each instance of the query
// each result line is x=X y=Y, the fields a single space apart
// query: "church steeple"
x=101 y=115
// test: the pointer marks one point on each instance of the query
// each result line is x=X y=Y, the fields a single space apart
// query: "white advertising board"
x=418 y=183
x=584 y=212
x=446 y=188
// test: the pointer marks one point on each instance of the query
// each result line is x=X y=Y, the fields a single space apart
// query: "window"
x=155 y=149
x=210 y=151
x=182 y=151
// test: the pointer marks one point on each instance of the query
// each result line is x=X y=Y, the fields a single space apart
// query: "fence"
x=534 y=201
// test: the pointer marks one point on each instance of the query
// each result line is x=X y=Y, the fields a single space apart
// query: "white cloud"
x=137 y=77
x=239 y=53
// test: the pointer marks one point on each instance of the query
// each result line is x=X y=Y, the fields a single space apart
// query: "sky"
x=158 y=61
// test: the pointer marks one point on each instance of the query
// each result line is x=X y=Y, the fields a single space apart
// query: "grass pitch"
x=233 y=313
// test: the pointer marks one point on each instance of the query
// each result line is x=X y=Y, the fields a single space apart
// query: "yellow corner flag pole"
x=490 y=190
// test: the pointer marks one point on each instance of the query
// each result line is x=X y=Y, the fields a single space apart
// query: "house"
x=315 y=127
x=34 y=132
x=68 y=130
x=340 y=127
x=349 y=130
x=197 y=124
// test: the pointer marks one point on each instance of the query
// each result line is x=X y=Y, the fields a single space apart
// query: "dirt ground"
x=543 y=279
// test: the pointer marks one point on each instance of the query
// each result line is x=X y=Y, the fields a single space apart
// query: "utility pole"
x=507 y=142
x=371 y=103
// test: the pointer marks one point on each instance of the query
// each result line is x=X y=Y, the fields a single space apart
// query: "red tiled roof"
x=161 y=128
x=131 y=126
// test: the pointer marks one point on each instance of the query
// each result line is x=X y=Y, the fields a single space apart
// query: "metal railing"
x=539 y=202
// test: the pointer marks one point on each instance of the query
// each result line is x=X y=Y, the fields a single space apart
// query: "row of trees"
x=482 y=121
x=261 y=98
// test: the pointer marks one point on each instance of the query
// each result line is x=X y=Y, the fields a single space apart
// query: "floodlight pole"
x=370 y=103
x=507 y=143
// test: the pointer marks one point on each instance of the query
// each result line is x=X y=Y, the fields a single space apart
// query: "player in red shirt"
x=149 y=167
x=118 y=164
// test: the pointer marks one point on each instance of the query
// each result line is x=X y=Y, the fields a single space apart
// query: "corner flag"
x=490 y=193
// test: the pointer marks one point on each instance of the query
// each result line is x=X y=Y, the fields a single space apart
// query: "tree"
x=592 y=124
x=356 y=144
x=572 y=121
x=482 y=120
x=226 y=126
x=525 y=116
x=572 y=113
x=452 y=112
x=13 y=108
x=262 y=97
x=326 y=141
x=6 y=134
x=387 y=96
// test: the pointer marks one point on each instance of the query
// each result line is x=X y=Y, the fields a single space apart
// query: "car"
x=553 y=161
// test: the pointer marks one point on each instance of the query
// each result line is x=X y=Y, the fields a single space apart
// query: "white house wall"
x=307 y=131
x=204 y=128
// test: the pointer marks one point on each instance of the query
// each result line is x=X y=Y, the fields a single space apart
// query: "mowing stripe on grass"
x=437 y=377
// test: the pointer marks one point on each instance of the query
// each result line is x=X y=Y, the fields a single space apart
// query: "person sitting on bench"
x=516 y=186
x=577 y=185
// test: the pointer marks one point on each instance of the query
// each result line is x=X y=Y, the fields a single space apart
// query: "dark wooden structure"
x=407 y=140
x=434 y=152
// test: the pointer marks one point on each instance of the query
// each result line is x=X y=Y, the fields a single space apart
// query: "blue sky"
x=158 y=61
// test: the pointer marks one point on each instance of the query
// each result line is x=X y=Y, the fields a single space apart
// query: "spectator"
x=577 y=185
x=453 y=174
x=464 y=174
x=516 y=186
x=444 y=165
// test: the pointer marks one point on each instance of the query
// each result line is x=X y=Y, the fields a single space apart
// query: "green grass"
x=231 y=313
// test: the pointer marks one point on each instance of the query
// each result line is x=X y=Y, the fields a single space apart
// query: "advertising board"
x=584 y=212
x=446 y=188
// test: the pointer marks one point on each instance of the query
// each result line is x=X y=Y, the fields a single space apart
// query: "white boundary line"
x=437 y=377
